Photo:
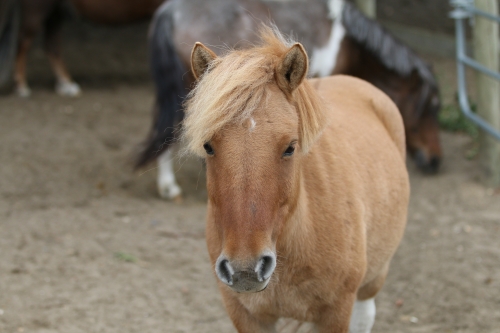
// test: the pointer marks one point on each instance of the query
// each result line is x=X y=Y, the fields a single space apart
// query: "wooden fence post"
x=368 y=7
x=488 y=89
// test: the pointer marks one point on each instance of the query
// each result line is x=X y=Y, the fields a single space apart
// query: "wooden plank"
x=486 y=44
x=368 y=7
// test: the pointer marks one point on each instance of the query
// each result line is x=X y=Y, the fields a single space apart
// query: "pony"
x=48 y=16
x=307 y=186
x=339 y=39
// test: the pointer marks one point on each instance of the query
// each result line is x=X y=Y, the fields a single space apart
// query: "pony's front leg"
x=52 y=43
x=244 y=321
x=337 y=318
x=167 y=185
x=363 y=316
x=33 y=14
x=24 y=44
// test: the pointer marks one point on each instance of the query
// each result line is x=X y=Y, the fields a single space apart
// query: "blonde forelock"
x=234 y=86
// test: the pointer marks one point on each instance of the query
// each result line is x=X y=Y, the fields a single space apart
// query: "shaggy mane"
x=393 y=54
x=233 y=87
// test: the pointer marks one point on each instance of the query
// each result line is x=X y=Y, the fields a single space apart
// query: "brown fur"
x=334 y=216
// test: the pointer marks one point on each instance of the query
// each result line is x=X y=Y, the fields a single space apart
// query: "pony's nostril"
x=224 y=271
x=434 y=163
x=265 y=267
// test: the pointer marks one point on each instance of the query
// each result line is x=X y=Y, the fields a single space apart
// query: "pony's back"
x=365 y=97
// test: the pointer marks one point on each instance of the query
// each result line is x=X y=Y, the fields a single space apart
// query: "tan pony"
x=307 y=186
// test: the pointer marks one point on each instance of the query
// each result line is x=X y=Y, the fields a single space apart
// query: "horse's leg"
x=33 y=14
x=364 y=310
x=336 y=319
x=52 y=43
x=167 y=186
x=363 y=316
x=25 y=41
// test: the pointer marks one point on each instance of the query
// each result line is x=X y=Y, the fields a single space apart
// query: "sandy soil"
x=87 y=246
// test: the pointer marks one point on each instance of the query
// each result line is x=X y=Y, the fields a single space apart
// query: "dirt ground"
x=87 y=246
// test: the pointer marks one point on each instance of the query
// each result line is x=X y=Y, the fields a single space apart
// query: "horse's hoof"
x=23 y=92
x=170 y=192
x=68 y=89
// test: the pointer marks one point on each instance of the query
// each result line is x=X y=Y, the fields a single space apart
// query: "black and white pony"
x=338 y=38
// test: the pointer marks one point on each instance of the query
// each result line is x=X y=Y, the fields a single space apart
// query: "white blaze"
x=252 y=124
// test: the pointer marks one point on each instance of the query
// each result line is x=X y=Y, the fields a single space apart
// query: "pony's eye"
x=289 y=151
x=208 y=148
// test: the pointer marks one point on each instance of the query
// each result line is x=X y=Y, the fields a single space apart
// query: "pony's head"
x=253 y=117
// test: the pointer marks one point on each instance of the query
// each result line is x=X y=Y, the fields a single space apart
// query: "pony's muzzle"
x=428 y=164
x=247 y=278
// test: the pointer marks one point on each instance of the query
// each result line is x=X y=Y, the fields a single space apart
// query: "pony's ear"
x=201 y=57
x=292 y=69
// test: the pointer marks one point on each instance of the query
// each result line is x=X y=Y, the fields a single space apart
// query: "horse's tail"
x=10 y=16
x=167 y=71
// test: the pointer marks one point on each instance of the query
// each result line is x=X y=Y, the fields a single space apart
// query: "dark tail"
x=167 y=71
x=10 y=15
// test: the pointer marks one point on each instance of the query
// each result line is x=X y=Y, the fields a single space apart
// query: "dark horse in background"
x=21 y=20
x=338 y=38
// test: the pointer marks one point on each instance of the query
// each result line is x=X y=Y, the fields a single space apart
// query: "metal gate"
x=464 y=9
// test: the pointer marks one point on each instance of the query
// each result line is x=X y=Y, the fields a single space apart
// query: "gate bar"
x=464 y=9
